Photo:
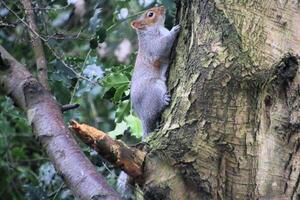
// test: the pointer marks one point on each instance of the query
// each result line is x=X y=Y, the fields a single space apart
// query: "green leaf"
x=122 y=110
x=101 y=35
x=115 y=80
x=135 y=125
x=119 y=93
x=119 y=130
x=18 y=152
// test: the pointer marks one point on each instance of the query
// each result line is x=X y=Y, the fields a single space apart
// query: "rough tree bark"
x=233 y=128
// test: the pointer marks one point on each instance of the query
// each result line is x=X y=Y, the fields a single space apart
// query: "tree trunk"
x=233 y=128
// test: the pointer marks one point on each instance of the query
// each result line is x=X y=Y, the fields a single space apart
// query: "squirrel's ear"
x=136 y=24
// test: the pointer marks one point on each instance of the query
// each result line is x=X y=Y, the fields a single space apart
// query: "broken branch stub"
x=129 y=159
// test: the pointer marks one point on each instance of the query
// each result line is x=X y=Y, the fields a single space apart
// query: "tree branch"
x=37 y=45
x=131 y=160
x=47 y=122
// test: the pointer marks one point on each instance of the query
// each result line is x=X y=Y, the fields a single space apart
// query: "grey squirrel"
x=149 y=95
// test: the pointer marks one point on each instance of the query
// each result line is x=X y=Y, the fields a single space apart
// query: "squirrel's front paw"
x=167 y=99
x=176 y=29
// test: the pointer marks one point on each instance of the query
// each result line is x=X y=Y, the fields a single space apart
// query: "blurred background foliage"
x=90 y=48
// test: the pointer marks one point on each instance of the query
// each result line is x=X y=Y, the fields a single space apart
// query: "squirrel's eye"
x=150 y=14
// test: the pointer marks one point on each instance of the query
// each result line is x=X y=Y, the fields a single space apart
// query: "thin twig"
x=4 y=24
x=49 y=47
x=123 y=20
x=77 y=82
x=38 y=8
x=61 y=36
x=23 y=21
x=37 y=45
x=58 y=190
x=78 y=75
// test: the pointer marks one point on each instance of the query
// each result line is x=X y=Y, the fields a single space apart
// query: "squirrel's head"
x=153 y=17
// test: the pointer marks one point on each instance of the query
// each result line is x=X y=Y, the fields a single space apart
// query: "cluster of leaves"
x=86 y=65
x=18 y=150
